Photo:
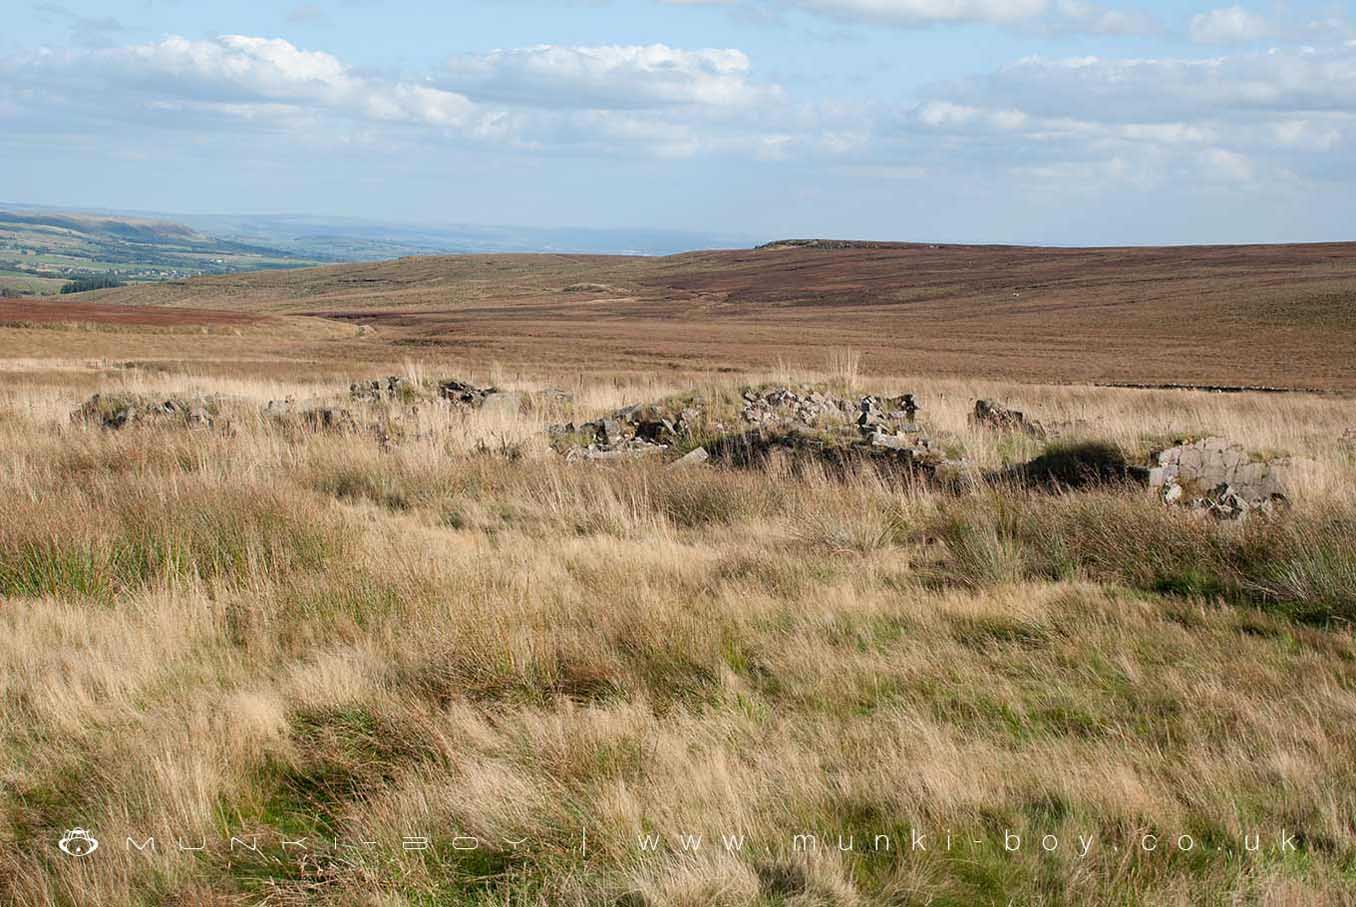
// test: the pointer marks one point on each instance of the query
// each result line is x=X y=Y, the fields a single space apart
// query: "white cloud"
x=1235 y=117
x=236 y=71
x=1230 y=25
x=1227 y=166
x=653 y=99
x=1084 y=16
x=610 y=77
x=1167 y=89
x=1093 y=18
x=926 y=12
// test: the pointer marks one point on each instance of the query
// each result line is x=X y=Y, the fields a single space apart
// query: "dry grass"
x=207 y=634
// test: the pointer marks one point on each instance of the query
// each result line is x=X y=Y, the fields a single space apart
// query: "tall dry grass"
x=289 y=633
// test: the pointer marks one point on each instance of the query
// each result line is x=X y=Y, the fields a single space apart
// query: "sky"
x=1069 y=122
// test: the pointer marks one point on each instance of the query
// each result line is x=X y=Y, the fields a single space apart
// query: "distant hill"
x=1277 y=316
x=42 y=248
x=42 y=251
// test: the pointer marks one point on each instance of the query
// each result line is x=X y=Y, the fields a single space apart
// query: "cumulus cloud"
x=1253 y=119
x=1231 y=25
x=1166 y=89
x=1232 y=118
x=610 y=77
x=927 y=12
x=1056 y=15
x=664 y=100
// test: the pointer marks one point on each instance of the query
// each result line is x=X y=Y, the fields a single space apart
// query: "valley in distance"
x=723 y=577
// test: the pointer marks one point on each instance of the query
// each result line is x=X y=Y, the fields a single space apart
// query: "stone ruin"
x=633 y=431
x=1213 y=476
x=872 y=414
x=394 y=389
x=489 y=399
x=1218 y=477
x=805 y=424
x=118 y=411
x=996 y=417
x=833 y=429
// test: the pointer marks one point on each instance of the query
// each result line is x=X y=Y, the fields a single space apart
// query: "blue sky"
x=1052 y=121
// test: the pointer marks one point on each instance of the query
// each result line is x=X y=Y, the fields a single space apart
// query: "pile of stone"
x=118 y=411
x=809 y=425
x=782 y=404
x=633 y=431
x=489 y=399
x=384 y=390
x=1218 y=477
x=887 y=415
x=996 y=417
x=872 y=414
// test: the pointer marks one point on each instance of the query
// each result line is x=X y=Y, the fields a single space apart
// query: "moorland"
x=413 y=625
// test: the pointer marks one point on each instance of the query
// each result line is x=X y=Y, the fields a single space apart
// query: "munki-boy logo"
x=78 y=842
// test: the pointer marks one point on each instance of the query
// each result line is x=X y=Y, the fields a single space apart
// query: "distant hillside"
x=1278 y=316
x=41 y=248
x=41 y=251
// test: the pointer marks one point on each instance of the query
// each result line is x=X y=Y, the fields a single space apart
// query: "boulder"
x=695 y=457
x=996 y=417
x=462 y=393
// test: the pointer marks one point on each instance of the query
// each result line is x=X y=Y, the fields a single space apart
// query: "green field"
x=40 y=252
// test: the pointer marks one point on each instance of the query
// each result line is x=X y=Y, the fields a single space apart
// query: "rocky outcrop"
x=1219 y=477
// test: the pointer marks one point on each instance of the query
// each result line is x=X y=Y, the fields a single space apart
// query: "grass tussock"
x=211 y=635
x=1299 y=564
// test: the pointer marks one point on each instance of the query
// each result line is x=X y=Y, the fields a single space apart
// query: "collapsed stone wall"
x=1213 y=475
x=1218 y=476
x=118 y=411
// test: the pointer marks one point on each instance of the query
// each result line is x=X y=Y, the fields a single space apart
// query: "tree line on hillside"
x=99 y=282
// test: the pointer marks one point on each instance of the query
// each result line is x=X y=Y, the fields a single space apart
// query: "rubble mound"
x=490 y=399
x=393 y=389
x=118 y=411
x=996 y=417
x=1218 y=477
x=788 y=406
x=633 y=431
x=801 y=425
